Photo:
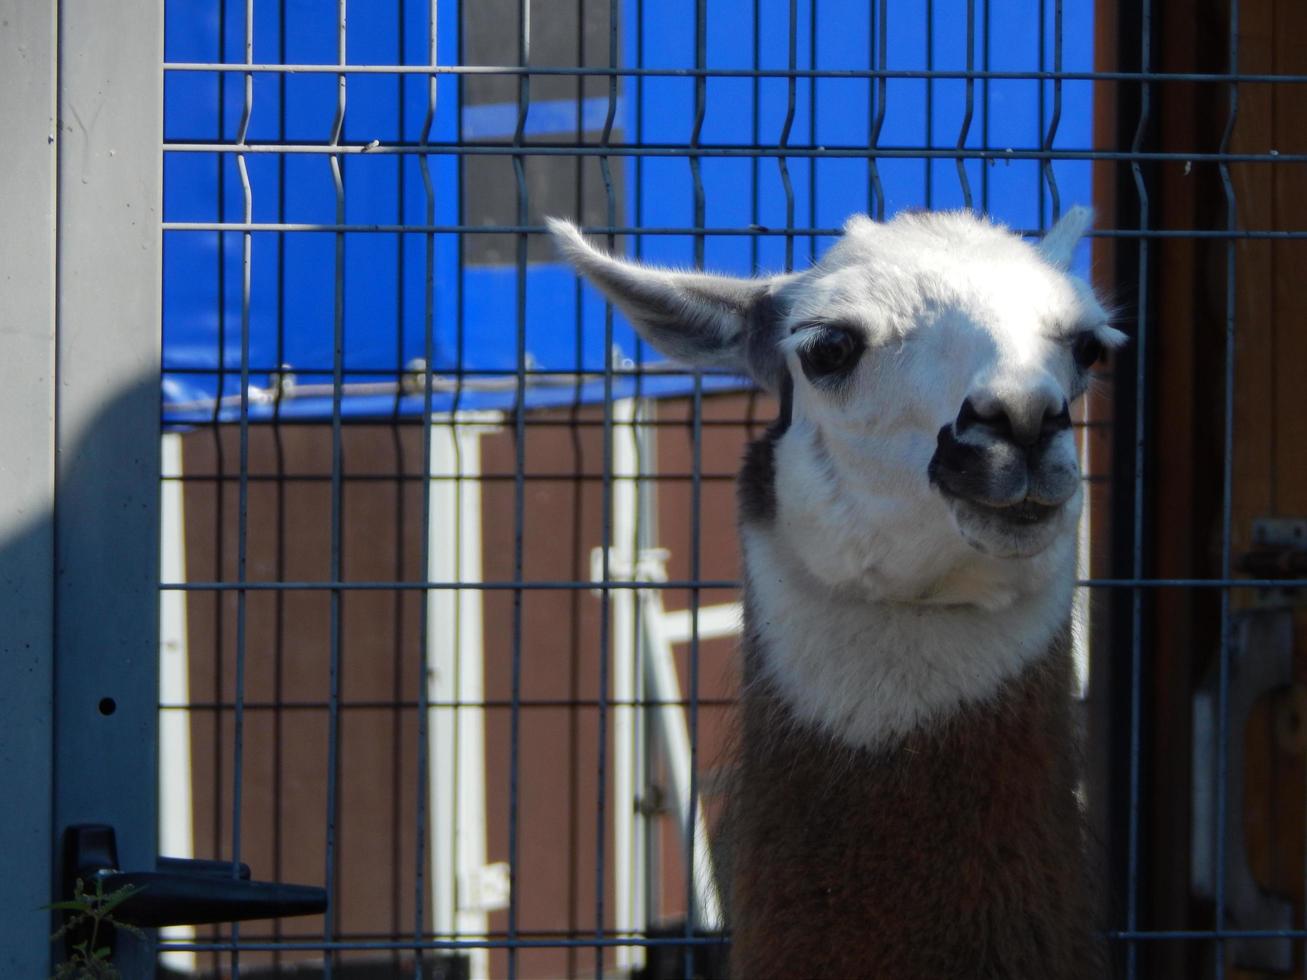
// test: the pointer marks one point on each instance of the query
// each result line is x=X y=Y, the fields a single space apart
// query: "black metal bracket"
x=179 y=891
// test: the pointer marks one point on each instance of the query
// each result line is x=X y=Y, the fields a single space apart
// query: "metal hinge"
x=487 y=889
x=1279 y=551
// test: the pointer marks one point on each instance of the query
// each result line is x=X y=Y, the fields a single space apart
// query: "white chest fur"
x=867 y=671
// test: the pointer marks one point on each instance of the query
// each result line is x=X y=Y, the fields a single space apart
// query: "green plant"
x=89 y=922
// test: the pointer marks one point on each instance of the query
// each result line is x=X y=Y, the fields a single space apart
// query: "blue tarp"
x=475 y=321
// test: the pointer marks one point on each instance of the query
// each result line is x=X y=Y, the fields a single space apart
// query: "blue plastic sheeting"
x=475 y=319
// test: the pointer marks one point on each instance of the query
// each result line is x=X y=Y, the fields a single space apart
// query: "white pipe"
x=665 y=688
x=176 y=824
x=461 y=890
x=715 y=622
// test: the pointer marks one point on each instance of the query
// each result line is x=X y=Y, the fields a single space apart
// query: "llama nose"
x=1021 y=419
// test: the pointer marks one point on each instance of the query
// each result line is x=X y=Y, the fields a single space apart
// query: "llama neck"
x=868 y=673
x=952 y=851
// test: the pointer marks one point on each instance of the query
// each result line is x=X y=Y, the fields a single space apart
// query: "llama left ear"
x=1059 y=244
x=703 y=321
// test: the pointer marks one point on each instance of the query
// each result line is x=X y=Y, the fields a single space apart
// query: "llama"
x=905 y=803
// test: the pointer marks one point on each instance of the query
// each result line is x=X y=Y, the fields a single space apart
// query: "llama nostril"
x=1055 y=422
x=1019 y=422
x=995 y=419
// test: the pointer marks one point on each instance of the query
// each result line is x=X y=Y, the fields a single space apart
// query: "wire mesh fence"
x=449 y=564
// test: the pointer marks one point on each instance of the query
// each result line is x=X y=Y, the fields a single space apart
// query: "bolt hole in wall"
x=415 y=470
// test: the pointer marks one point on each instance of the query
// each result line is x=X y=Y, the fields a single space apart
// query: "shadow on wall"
x=78 y=653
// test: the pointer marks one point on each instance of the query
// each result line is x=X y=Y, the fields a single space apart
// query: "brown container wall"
x=564 y=824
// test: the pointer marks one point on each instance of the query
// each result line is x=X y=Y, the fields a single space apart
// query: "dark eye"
x=1088 y=350
x=832 y=351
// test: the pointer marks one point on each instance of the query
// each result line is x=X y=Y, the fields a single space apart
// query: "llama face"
x=932 y=361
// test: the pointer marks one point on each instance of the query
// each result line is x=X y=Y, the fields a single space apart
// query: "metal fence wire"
x=449 y=601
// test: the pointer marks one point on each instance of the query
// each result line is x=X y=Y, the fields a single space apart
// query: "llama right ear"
x=1059 y=245
x=702 y=321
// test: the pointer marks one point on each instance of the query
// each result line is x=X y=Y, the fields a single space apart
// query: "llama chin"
x=1022 y=530
x=905 y=788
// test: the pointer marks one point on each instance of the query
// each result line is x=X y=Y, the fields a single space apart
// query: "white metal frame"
x=464 y=888
x=630 y=820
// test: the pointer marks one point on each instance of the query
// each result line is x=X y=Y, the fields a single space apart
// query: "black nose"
x=997 y=421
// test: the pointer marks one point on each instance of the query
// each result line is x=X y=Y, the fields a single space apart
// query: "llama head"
x=931 y=362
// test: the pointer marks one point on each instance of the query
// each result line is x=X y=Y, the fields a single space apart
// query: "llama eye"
x=1088 y=350
x=833 y=351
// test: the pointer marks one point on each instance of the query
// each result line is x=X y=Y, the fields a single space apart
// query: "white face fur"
x=928 y=463
x=952 y=310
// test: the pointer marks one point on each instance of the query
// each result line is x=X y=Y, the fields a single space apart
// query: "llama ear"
x=1059 y=244
x=702 y=321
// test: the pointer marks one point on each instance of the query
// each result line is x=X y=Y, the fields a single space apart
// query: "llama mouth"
x=1019 y=530
x=1026 y=512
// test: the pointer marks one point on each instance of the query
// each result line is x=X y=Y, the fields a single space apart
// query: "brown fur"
x=955 y=853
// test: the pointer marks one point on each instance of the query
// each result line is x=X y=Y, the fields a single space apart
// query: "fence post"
x=106 y=501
